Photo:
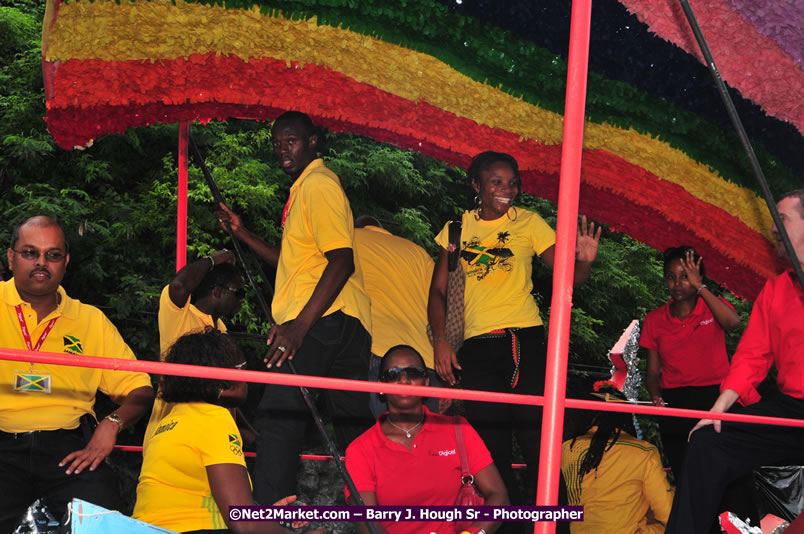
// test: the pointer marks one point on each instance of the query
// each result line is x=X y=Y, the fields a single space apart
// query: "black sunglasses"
x=395 y=373
x=239 y=292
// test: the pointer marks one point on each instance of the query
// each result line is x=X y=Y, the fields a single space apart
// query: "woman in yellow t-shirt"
x=193 y=465
x=504 y=348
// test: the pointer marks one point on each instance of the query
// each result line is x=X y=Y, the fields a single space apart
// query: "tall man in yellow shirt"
x=47 y=449
x=320 y=308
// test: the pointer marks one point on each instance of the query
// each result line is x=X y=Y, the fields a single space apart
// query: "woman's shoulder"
x=657 y=313
x=368 y=440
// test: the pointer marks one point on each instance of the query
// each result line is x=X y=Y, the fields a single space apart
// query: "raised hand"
x=587 y=241
x=692 y=269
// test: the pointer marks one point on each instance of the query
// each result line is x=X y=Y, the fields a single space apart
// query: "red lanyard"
x=285 y=213
x=27 y=336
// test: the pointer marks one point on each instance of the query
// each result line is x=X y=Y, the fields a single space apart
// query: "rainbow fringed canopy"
x=453 y=78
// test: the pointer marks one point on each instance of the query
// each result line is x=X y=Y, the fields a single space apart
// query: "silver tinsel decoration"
x=633 y=379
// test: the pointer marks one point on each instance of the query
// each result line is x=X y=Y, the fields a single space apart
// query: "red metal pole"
x=564 y=267
x=181 y=200
x=319 y=382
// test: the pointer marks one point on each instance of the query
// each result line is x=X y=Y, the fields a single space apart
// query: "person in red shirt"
x=410 y=456
x=685 y=339
x=720 y=452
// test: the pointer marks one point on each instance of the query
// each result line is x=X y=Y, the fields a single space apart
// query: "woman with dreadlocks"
x=617 y=478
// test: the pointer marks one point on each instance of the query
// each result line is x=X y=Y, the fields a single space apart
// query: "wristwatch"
x=114 y=418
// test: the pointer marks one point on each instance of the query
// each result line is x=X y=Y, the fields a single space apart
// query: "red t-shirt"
x=429 y=474
x=692 y=350
x=775 y=334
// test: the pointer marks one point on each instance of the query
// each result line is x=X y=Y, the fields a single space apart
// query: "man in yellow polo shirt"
x=47 y=447
x=396 y=275
x=198 y=296
x=320 y=308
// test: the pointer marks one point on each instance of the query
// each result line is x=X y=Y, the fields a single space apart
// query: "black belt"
x=5 y=436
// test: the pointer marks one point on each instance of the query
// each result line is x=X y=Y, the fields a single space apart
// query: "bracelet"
x=114 y=418
x=701 y=288
x=437 y=339
x=211 y=261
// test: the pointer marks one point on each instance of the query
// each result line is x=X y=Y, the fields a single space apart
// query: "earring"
x=478 y=208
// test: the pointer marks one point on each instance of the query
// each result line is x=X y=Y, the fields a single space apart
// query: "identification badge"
x=32 y=382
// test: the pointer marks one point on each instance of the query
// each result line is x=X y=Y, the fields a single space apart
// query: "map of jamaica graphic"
x=482 y=260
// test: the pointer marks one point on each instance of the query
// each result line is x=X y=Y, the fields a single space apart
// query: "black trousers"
x=716 y=459
x=675 y=430
x=488 y=364
x=337 y=346
x=29 y=470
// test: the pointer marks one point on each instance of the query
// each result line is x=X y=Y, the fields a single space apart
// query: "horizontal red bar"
x=267 y=377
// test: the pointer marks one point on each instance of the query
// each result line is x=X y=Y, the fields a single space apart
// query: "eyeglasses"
x=395 y=373
x=52 y=256
x=239 y=292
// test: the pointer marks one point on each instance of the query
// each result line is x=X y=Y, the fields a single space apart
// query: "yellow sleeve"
x=329 y=213
x=443 y=237
x=657 y=489
x=221 y=442
x=541 y=234
x=118 y=384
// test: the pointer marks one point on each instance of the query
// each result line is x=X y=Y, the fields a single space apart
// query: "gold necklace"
x=408 y=431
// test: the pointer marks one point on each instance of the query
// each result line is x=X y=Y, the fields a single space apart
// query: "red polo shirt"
x=429 y=474
x=692 y=350
x=774 y=335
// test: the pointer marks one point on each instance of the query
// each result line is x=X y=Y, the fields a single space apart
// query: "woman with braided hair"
x=617 y=478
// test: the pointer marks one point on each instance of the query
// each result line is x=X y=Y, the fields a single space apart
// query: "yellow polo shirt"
x=79 y=329
x=175 y=322
x=173 y=490
x=396 y=274
x=319 y=219
x=616 y=497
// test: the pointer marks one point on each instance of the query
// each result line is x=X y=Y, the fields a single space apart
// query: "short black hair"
x=795 y=193
x=46 y=221
x=219 y=276
x=367 y=220
x=676 y=253
x=210 y=348
x=397 y=348
x=302 y=118
x=484 y=160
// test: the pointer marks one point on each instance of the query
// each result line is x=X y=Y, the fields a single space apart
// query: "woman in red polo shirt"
x=685 y=339
x=410 y=457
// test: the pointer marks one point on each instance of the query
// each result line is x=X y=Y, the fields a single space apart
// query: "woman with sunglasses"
x=193 y=467
x=504 y=342
x=410 y=457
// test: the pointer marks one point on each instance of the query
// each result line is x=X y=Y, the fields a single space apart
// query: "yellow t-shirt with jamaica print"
x=173 y=491
x=497 y=258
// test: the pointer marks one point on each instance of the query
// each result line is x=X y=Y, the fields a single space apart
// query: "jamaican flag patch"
x=72 y=345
